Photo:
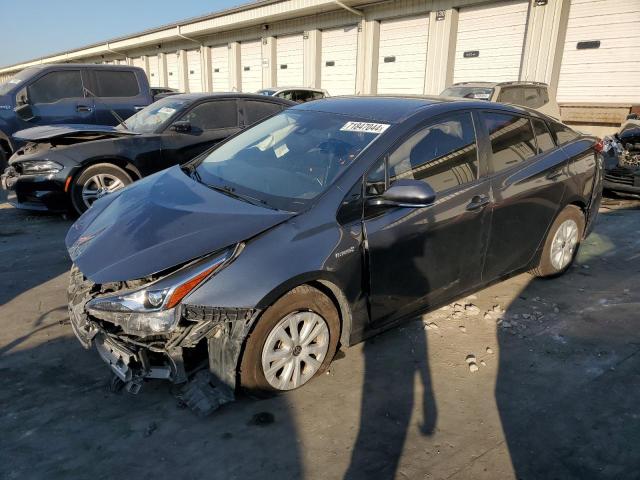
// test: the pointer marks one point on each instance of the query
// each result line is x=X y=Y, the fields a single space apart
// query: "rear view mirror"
x=405 y=193
x=182 y=126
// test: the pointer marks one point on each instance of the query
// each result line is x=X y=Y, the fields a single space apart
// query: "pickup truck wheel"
x=562 y=243
x=95 y=182
x=294 y=340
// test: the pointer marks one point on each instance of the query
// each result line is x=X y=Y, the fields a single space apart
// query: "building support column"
x=206 y=70
x=163 y=81
x=312 y=58
x=269 y=72
x=441 y=50
x=235 y=73
x=183 y=70
x=368 y=53
x=544 y=43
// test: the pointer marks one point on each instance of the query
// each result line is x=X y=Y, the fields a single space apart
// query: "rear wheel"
x=561 y=244
x=294 y=341
x=95 y=182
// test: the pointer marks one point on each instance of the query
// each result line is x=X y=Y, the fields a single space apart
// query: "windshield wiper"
x=230 y=191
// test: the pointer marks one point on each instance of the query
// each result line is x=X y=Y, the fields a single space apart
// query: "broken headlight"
x=38 y=167
x=155 y=308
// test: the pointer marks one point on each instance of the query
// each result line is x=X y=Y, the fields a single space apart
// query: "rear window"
x=562 y=133
x=116 y=84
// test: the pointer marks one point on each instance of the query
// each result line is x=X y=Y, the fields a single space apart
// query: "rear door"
x=59 y=97
x=419 y=256
x=116 y=91
x=210 y=122
x=527 y=185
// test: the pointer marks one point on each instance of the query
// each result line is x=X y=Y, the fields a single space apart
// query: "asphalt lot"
x=555 y=395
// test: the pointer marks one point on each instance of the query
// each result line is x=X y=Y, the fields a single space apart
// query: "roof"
x=103 y=66
x=389 y=109
x=250 y=96
x=496 y=84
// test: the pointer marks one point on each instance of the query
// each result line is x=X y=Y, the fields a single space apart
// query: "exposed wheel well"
x=342 y=306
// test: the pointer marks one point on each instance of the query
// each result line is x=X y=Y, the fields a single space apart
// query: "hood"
x=48 y=132
x=160 y=222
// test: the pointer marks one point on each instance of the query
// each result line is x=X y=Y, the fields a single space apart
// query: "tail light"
x=599 y=146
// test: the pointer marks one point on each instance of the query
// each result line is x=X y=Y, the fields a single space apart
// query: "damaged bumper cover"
x=134 y=358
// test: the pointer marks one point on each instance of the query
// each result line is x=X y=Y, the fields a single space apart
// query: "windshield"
x=479 y=93
x=156 y=115
x=16 y=80
x=289 y=159
x=266 y=92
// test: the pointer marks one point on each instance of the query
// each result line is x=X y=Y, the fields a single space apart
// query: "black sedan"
x=321 y=226
x=71 y=166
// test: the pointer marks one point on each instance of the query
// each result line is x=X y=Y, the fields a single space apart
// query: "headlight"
x=37 y=167
x=155 y=308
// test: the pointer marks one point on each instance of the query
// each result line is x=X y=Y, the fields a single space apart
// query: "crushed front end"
x=143 y=330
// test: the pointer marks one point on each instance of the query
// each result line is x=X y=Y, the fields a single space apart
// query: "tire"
x=111 y=178
x=555 y=260
x=303 y=305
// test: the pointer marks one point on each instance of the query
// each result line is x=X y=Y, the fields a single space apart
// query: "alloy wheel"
x=98 y=186
x=564 y=244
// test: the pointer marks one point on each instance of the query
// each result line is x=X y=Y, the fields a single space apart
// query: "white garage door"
x=173 y=75
x=490 y=42
x=339 y=59
x=154 y=71
x=601 y=52
x=220 y=68
x=194 y=70
x=290 y=61
x=138 y=62
x=251 y=66
x=403 y=55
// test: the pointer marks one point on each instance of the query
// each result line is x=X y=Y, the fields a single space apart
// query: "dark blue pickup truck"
x=69 y=93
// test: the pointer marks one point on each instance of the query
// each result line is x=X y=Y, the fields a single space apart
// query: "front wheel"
x=294 y=341
x=561 y=244
x=95 y=182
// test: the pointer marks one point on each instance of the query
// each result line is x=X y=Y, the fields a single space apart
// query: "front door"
x=527 y=188
x=419 y=257
x=208 y=123
x=58 y=97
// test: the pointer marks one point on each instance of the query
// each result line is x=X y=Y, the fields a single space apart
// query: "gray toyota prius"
x=318 y=227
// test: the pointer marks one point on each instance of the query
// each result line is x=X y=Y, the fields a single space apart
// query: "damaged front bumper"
x=204 y=334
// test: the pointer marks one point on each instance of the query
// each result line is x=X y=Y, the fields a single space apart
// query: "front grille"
x=619 y=175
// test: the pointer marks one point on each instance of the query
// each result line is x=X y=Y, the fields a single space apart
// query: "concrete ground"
x=555 y=395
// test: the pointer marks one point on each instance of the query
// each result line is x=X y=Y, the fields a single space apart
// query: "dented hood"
x=48 y=132
x=159 y=222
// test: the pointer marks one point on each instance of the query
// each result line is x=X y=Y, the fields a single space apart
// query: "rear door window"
x=213 y=115
x=444 y=154
x=255 y=111
x=56 y=86
x=543 y=136
x=561 y=133
x=511 y=137
x=116 y=84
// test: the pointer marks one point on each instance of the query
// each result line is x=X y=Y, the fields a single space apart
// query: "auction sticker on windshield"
x=364 y=127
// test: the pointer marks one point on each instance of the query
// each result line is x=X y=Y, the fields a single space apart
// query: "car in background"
x=71 y=166
x=69 y=93
x=324 y=225
x=295 y=94
x=161 y=92
x=622 y=158
x=536 y=95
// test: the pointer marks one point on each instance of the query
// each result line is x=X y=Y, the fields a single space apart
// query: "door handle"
x=137 y=108
x=554 y=174
x=83 y=108
x=478 y=202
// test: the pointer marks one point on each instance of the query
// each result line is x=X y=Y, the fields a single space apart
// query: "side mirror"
x=22 y=97
x=632 y=116
x=182 y=126
x=405 y=193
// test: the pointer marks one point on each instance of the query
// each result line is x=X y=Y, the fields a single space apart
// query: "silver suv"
x=536 y=95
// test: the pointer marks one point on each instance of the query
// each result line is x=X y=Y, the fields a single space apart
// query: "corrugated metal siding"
x=290 y=60
x=251 y=66
x=610 y=73
x=339 y=60
x=403 y=55
x=173 y=73
x=220 y=68
x=496 y=32
x=194 y=70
